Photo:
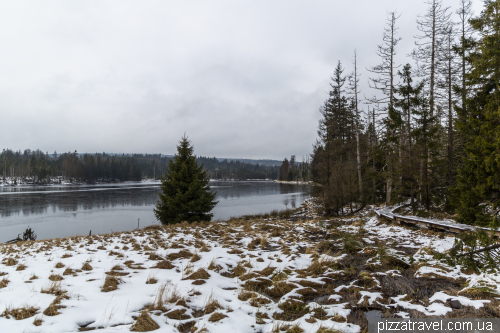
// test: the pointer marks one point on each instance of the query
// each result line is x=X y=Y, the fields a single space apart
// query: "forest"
x=35 y=166
x=430 y=134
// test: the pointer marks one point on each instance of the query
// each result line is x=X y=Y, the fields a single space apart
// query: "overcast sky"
x=241 y=78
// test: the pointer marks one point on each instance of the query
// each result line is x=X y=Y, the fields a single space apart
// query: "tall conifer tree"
x=185 y=193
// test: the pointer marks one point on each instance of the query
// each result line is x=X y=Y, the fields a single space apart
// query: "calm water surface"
x=67 y=210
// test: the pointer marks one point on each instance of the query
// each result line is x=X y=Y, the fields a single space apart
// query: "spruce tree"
x=478 y=189
x=185 y=194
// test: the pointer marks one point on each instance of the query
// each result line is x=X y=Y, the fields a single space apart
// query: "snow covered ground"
x=237 y=276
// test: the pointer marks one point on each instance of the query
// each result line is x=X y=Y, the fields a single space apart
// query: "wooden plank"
x=444 y=225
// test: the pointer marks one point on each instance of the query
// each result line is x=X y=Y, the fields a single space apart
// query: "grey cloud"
x=241 y=78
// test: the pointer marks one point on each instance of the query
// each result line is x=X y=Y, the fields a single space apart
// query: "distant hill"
x=250 y=161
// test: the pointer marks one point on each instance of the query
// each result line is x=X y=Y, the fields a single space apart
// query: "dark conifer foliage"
x=431 y=137
x=34 y=166
x=185 y=194
x=334 y=157
x=478 y=183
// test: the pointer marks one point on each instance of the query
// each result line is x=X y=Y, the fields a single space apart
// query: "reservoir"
x=68 y=210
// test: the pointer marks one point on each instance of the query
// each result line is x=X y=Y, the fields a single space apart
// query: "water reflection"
x=57 y=211
x=41 y=203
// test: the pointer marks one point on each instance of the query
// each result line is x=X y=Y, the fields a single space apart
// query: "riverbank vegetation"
x=430 y=136
x=37 y=167
x=241 y=275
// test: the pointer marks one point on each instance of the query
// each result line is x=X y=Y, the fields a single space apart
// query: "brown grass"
x=295 y=329
x=178 y=314
x=53 y=308
x=144 y=323
x=111 y=283
x=196 y=257
x=68 y=271
x=266 y=271
x=292 y=310
x=280 y=289
x=59 y=265
x=55 y=277
x=245 y=295
x=259 y=301
x=86 y=267
x=188 y=327
x=130 y=264
x=183 y=254
x=152 y=278
x=328 y=330
x=10 y=262
x=21 y=267
x=213 y=266
x=216 y=316
x=154 y=256
x=212 y=304
x=164 y=265
x=24 y=312
x=37 y=321
x=3 y=283
x=200 y=274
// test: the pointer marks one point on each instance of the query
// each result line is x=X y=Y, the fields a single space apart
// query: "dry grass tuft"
x=21 y=313
x=130 y=264
x=52 y=309
x=3 y=283
x=152 y=278
x=156 y=257
x=166 y=293
x=196 y=257
x=111 y=283
x=164 y=265
x=200 y=274
x=55 y=277
x=37 y=321
x=68 y=271
x=20 y=267
x=10 y=262
x=178 y=314
x=54 y=288
x=59 y=265
x=212 y=304
x=183 y=254
x=86 y=267
x=144 y=323
x=266 y=271
x=323 y=329
x=214 y=266
x=216 y=316
x=292 y=310
x=295 y=329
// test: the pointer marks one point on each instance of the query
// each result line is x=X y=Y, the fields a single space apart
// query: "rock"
x=455 y=304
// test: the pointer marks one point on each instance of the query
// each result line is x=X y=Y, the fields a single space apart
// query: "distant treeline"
x=152 y=166
x=39 y=167
x=291 y=170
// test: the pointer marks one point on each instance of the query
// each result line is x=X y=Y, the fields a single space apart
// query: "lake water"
x=68 y=210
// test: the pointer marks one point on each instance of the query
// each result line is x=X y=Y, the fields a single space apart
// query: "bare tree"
x=433 y=26
x=463 y=48
x=384 y=81
x=353 y=90
x=448 y=69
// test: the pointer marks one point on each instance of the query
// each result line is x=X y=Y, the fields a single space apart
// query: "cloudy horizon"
x=242 y=79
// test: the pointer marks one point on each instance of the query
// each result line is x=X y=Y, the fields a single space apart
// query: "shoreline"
x=237 y=275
